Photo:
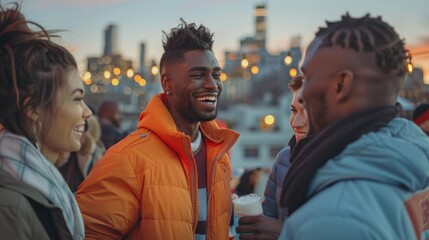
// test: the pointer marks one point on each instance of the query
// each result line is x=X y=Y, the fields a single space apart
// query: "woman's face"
x=68 y=123
x=298 y=117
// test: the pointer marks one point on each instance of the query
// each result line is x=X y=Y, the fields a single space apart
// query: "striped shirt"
x=200 y=160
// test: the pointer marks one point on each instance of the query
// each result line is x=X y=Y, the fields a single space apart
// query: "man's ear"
x=165 y=82
x=344 y=85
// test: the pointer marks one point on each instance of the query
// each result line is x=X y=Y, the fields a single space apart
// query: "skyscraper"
x=111 y=40
x=258 y=40
x=142 y=56
x=260 y=23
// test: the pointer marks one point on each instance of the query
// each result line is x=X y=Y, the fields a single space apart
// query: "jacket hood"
x=158 y=119
x=397 y=154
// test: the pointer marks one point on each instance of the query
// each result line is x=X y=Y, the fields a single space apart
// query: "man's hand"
x=259 y=227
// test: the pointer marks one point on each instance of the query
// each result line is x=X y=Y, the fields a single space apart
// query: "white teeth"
x=300 y=135
x=80 y=129
x=207 y=98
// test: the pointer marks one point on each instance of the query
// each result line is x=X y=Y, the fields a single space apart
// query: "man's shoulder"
x=139 y=148
x=367 y=210
x=333 y=227
x=399 y=135
x=401 y=128
x=370 y=203
x=137 y=138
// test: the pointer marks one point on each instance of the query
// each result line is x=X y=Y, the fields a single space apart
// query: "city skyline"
x=84 y=22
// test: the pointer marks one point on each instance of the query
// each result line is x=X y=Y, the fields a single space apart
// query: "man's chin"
x=208 y=118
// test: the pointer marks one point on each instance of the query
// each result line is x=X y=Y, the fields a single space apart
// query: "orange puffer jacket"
x=145 y=187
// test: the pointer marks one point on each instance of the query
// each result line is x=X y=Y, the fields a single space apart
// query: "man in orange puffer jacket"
x=170 y=178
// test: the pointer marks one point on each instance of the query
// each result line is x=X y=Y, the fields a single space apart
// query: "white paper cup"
x=249 y=205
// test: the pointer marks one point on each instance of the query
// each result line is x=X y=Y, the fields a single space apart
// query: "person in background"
x=75 y=166
x=269 y=225
x=421 y=117
x=248 y=181
x=362 y=172
x=236 y=175
x=42 y=113
x=170 y=178
x=110 y=117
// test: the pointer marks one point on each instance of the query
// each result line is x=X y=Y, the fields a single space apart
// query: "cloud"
x=420 y=54
x=425 y=39
x=420 y=47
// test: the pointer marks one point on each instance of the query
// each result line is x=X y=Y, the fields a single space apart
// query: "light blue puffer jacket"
x=376 y=188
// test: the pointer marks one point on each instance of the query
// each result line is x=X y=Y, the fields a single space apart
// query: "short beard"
x=204 y=119
x=319 y=116
x=201 y=117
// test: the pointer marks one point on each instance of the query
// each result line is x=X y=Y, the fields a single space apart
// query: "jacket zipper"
x=218 y=157
x=228 y=180
x=193 y=194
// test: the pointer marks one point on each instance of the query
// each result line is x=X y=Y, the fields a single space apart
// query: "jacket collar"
x=158 y=119
x=9 y=182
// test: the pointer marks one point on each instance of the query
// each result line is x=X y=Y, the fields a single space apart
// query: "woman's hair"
x=33 y=69
x=247 y=182
x=295 y=83
x=91 y=136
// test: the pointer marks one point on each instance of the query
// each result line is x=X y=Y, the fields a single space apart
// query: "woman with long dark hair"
x=42 y=113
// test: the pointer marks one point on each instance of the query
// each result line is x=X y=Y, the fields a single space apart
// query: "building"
x=252 y=75
x=414 y=88
x=261 y=24
x=110 y=76
x=256 y=98
x=111 y=40
x=142 y=67
x=264 y=130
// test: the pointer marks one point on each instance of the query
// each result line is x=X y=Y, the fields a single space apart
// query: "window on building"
x=251 y=151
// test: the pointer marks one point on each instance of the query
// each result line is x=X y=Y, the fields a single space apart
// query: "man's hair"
x=295 y=83
x=107 y=107
x=183 y=38
x=368 y=34
x=111 y=111
x=33 y=70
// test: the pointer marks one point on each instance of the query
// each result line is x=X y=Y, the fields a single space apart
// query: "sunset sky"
x=143 y=21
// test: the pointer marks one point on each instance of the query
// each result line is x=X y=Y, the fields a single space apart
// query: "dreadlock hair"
x=368 y=34
x=32 y=71
x=183 y=38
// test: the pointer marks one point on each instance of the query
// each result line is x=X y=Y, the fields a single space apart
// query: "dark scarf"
x=292 y=144
x=312 y=152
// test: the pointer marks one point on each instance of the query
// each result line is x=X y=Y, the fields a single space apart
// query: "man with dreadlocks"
x=362 y=173
x=170 y=178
